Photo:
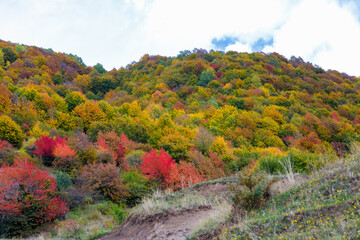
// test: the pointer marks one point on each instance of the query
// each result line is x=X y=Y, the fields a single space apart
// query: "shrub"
x=113 y=144
x=65 y=158
x=271 y=164
x=137 y=185
x=27 y=198
x=252 y=189
x=304 y=161
x=133 y=159
x=104 y=157
x=7 y=153
x=7 y=156
x=156 y=166
x=183 y=176
x=211 y=167
x=74 y=197
x=63 y=180
x=10 y=131
x=104 y=179
x=45 y=148
x=4 y=144
x=119 y=212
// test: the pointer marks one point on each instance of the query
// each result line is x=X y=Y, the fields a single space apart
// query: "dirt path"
x=175 y=225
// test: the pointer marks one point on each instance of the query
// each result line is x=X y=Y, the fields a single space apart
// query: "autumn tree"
x=74 y=99
x=203 y=140
x=10 y=131
x=89 y=112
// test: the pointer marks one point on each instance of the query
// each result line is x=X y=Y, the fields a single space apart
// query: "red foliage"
x=157 y=166
x=182 y=176
x=216 y=160
x=45 y=148
x=65 y=158
x=335 y=117
x=4 y=144
x=24 y=186
x=356 y=121
x=289 y=141
x=113 y=144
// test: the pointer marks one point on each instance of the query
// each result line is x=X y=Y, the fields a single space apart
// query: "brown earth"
x=173 y=225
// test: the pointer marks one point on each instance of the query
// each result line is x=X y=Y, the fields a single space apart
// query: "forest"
x=72 y=134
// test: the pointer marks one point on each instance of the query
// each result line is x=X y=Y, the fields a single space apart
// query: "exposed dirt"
x=174 y=225
x=210 y=190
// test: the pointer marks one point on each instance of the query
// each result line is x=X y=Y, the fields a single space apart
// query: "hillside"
x=101 y=139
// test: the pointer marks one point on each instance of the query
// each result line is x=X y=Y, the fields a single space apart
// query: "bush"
x=104 y=179
x=252 y=189
x=10 y=131
x=7 y=153
x=304 y=161
x=157 y=166
x=183 y=176
x=119 y=212
x=74 y=197
x=133 y=159
x=138 y=187
x=271 y=164
x=45 y=148
x=63 y=180
x=210 y=167
x=27 y=198
x=65 y=158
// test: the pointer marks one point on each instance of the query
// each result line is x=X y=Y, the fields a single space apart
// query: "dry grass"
x=161 y=202
x=215 y=221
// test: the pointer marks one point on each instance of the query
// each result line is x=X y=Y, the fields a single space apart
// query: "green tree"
x=98 y=67
x=2 y=61
x=10 y=55
x=58 y=79
x=205 y=78
x=74 y=99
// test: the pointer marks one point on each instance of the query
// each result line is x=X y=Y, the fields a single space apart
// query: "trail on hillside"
x=173 y=225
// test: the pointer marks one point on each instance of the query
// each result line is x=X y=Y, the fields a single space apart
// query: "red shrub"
x=45 y=148
x=157 y=166
x=27 y=195
x=113 y=144
x=4 y=144
x=65 y=158
x=183 y=176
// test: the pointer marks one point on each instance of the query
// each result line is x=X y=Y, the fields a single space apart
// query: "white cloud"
x=323 y=33
x=239 y=47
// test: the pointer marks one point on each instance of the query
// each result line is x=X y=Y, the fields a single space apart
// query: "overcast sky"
x=117 y=32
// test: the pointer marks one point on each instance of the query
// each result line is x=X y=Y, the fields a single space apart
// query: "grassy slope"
x=325 y=207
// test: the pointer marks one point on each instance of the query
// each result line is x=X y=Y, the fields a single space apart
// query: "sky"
x=117 y=32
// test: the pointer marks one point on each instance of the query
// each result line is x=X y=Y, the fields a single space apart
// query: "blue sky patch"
x=259 y=45
x=223 y=42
